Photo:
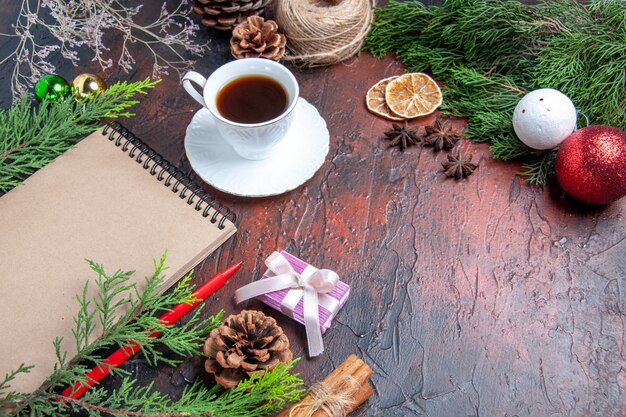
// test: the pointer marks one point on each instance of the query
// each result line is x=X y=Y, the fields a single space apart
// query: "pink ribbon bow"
x=309 y=286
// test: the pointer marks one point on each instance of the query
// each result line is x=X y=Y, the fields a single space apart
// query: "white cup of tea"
x=252 y=102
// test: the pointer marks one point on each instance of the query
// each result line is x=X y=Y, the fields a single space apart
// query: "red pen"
x=125 y=352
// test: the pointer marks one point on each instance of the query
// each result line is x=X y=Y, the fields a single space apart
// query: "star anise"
x=458 y=165
x=441 y=135
x=402 y=136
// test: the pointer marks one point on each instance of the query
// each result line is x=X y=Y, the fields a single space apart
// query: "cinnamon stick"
x=351 y=378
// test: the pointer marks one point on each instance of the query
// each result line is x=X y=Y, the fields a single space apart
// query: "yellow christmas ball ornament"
x=87 y=84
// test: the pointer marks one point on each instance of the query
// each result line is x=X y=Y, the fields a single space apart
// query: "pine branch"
x=537 y=171
x=32 y=136
x=120 y=312
x=260 y=395
x=256 y=397
x=6 y=383
x=125 y=313
x=489 y=53
x=506 y=149
x=78 y=404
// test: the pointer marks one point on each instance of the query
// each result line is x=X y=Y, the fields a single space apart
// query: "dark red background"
x=485 y=296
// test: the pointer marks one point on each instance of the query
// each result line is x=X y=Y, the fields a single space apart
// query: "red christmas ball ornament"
x=591 y=164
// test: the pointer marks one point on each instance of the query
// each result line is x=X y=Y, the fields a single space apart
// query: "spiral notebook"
x=111 y=199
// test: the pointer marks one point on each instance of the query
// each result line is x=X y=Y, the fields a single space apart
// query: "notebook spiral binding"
x=162 y=170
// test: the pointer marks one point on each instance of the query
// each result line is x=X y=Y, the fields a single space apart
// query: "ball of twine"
x=323 y=32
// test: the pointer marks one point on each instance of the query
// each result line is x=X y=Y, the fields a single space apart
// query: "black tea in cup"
x=251 y=99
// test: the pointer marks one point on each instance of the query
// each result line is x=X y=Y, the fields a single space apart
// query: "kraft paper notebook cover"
x=110 y=199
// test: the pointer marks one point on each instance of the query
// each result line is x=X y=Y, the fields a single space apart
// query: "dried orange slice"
x=375 y=100
x=412 y=95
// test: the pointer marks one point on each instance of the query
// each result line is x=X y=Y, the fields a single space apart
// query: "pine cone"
x=226 y=14
x=245 y=343
x=256 y=37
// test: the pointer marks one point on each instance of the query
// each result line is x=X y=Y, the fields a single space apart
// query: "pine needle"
x=489 y=53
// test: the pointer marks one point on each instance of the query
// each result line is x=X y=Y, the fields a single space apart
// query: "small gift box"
x=309 y=295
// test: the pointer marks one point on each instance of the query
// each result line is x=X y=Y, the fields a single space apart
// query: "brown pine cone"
x=226 y=14
x=244 y=344
x=256 y=37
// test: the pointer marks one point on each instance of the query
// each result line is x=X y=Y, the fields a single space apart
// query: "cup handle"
x=194 y=77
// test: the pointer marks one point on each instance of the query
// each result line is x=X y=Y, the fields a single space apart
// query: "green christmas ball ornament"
x=52 y=88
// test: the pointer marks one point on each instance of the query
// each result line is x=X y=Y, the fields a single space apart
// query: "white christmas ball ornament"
x=544 y=118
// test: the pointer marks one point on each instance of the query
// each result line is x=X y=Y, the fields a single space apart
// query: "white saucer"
x=300 y=154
